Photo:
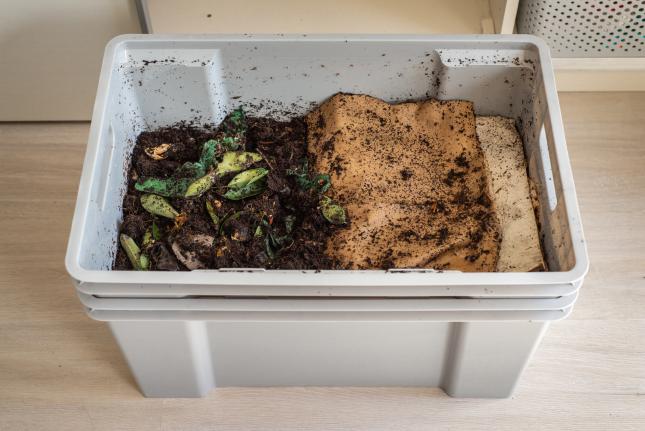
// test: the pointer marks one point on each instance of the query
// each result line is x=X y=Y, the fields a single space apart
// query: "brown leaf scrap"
x=158 y=152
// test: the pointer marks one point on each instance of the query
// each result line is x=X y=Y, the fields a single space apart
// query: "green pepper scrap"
x=139 y=261
x=199 y=186
x=235 y=161
x=144 y=261
x=157 y=205
x=246 y=184
x=210 y=209
x=151 y=235
x=333 y=212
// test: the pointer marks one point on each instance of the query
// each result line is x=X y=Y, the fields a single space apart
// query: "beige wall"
x=50 y=55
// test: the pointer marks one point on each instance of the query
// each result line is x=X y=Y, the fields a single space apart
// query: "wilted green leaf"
x=237 y=120
x=274 y=244
x=148 y=240
x=132 y=250
x=156 y=232
x=158 y=206
x=228 y=217
x=251 y=189
x=199 y=186
x=268 y=247
x=320 y=182
x=178 y=184
x=229 y=143
x=246 y=184
x=235 y=123
x=212 y=213
x=258 y=232
x=247 y=177
x=233 y=161
x=152 y=234
x=190 y=171
x=168 y=187
x=223 y=144
x=332 y=211
x=289 y=222
x=209 y=150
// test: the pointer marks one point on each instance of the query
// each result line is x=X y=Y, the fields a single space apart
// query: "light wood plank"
x=60 y=371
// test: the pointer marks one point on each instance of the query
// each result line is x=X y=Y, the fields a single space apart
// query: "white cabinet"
x=331 y=16
x=51 y=52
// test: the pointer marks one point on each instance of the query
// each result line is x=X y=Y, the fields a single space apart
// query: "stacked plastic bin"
x=185 y=333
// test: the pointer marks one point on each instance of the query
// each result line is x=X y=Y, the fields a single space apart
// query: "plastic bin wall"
x=189 y=358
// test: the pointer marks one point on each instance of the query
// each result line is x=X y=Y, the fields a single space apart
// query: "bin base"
x=189 y=358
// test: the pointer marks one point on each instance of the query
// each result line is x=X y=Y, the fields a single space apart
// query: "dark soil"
x=235 y=244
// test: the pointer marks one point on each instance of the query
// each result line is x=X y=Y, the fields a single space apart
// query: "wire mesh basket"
x=586 y=28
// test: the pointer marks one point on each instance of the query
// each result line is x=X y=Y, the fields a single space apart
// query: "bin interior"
x=152 y=83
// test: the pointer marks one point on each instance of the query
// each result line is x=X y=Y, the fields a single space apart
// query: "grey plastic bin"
x=179 y=349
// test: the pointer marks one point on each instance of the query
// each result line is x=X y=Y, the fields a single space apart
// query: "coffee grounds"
x=234 y=245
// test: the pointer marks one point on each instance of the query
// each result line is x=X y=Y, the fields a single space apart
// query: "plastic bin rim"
x=538 y=42
x=277 y=278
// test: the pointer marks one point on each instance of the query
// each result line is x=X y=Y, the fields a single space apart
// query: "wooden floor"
x=59 y=370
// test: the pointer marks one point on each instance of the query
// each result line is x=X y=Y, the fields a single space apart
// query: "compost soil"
x=237 y=243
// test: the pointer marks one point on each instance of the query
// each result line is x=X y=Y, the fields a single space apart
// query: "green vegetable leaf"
x=332 y=211
x=158 y=206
